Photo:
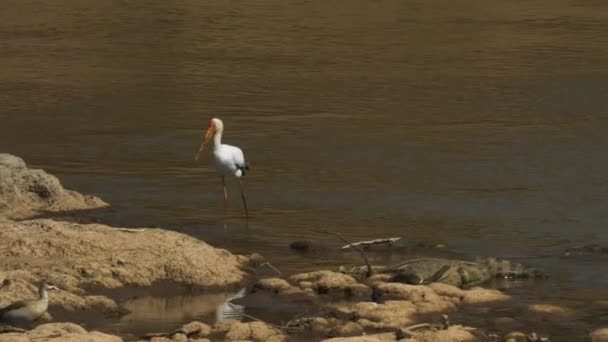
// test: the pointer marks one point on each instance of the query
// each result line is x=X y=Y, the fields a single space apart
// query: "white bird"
x=25 y=312
x=229 y=160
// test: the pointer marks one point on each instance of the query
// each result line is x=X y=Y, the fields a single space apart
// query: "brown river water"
x=478 y=124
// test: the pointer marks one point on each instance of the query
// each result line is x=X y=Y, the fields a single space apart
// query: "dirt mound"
x=25 y=191
x=64 y=332
x=76 y=257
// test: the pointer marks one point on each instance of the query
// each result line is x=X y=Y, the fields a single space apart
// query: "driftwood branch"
x=271 y=267
x=366 y=243
x=370 y=271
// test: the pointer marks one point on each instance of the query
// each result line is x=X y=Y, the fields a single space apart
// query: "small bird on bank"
x=229 y=160
x=25 y=312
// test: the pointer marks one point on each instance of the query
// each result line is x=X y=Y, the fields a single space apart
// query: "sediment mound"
x=25 y=192
x=58 y=332
x=76 y=256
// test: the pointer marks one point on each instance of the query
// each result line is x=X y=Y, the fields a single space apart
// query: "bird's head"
x=215 y=125
x=43 y=287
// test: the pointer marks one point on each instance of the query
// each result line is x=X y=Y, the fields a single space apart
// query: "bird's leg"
x=243 y=197
x=225 y=191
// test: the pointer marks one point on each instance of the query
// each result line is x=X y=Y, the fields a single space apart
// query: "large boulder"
x=25 y=192
x=77 y=257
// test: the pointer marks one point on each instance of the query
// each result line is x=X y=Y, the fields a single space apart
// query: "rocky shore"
x=413 y=302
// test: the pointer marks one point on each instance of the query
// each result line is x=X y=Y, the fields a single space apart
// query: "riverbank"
x=90 y=262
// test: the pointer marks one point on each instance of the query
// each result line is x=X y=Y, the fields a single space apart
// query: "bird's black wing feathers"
x=243 y=168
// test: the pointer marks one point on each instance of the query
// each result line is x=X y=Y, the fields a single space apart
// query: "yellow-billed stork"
x=229 y=160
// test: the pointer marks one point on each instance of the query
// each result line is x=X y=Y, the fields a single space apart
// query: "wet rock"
x=366 y=338
x=516 y=336
x=505 y=323
x=348 y=329
x=424 y=297
x=252 y=331
x=448 y=290
x=550 y=310
x=179 y=337
x=377 y=279
x=452 y=334
x=303 y=246
x=282 y=288
x=195 y=329
x=25 y=192
x=327 y=282
x=599 y=335
x=389 y=315
x=480 y=295
x=59 y=332
x=160 y=339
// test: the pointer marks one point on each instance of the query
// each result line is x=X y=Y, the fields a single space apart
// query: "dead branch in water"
x=370 y=271
x=388 y=241
x=271 y=267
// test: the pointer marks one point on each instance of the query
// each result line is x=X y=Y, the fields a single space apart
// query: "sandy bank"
x=83 y=259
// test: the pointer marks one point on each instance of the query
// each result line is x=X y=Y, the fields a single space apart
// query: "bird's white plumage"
x=229 y=160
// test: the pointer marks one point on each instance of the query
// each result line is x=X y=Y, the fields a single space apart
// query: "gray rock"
x=11 y=161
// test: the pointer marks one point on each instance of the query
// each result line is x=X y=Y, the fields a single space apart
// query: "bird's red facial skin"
x=212 y=124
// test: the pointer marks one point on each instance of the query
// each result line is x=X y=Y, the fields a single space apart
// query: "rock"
x=366 y=338
x=389 y=315
x=333 y=283
x=506 y=323
x=179 y=337
x=59 y=332
x=448 y=290
x=12 y=162
x=599 y=335
x=550 y=310
x=57 y=251
x=197 y=329
x=425 y=299
x=252 y=331
x=349 y=329
x=451 y=334
x=303 y=246
x=283 y=288
x=480 y=295
x=516 y=336
x=25 y=192
x=160 y=339
x=377 y=279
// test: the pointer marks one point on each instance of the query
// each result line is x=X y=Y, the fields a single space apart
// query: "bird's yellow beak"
x=208 y=135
